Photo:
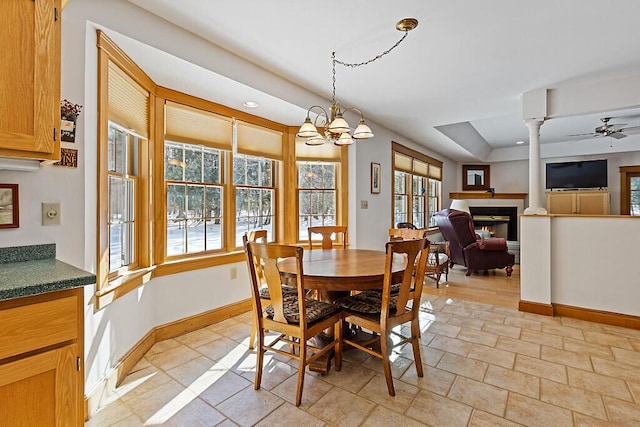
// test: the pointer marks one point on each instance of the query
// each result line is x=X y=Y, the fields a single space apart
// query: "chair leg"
x=254 y=332
x=259 y=359
x=301 y=369
x=338 y=348
x=415 y=343
x=386 y=364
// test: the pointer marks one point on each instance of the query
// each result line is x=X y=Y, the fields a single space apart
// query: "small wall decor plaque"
x=9 y=214
x=69 y=113
x=376 y=177
x=68 y=158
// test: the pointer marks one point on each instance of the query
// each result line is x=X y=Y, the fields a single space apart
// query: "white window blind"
x=128 y=102
x=194 y=126
x=325 y=152
x=403 y=163
x=259 y=141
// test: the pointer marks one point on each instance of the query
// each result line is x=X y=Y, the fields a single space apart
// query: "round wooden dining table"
x=335 y=272
x=342 y=270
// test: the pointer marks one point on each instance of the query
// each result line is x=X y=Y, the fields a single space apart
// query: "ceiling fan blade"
x=585 y=134
x=617 y=127
x=617 y=135
x=632 y=129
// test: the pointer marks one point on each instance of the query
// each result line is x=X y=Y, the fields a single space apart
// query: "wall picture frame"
x=9 y=207
x=376 y=177
x=475 y=177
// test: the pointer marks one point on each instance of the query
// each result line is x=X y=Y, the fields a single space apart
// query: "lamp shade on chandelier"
x=336 y=129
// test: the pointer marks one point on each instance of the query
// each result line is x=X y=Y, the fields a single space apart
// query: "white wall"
x=581 y=262
x=112 y=331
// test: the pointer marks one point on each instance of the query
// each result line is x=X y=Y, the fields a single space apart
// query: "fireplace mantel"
x=486 y=195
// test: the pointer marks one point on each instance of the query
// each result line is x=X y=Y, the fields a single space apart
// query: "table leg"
x=323 y=364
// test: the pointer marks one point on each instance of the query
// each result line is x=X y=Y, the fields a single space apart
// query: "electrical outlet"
x=364 y=204
x=51 y=213
x=233 y=272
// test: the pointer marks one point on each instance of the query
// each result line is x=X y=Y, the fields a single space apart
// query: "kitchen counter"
x=33 y=270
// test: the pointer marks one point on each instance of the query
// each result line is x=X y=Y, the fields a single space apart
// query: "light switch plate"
x=364 y=204
x=51 y=213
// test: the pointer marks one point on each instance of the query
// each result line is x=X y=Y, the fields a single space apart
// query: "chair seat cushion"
x=441 y=259
x=316 y=310
x=369 y=302
x=286 y=290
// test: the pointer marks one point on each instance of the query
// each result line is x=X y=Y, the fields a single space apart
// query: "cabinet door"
x=41 y=390
x=561 y=203
x=593 y=203
x=30 y=78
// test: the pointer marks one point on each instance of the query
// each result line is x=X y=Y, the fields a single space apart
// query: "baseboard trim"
x=599 y=316
x=108 y=384
x=536 y=307
x=192 y=323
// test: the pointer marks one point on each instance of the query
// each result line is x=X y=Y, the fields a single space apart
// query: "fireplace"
x=501 y=221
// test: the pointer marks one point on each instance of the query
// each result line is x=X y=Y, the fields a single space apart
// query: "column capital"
x=534 y=123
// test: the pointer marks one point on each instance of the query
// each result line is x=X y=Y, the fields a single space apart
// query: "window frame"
x=626 y=173
x=416 y=158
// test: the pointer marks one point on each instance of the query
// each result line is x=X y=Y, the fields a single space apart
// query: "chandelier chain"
x=359 y=64
x=335 y=61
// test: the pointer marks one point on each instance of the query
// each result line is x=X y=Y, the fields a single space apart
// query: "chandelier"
x=336 y=128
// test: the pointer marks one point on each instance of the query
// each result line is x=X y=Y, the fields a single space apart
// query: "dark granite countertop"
x=33 y=270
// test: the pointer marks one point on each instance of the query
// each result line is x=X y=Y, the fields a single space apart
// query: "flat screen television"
x=585 y=174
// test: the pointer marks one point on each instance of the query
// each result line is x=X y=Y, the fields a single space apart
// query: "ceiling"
x=461 y=71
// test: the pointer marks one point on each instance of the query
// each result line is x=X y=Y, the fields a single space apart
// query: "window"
x=316 y=195
x=400 y=197
x=194 y=198
x=124 y=228
x=122 y=170
x=417 y=187
x=630 y=190
x=253 y=178
x=321 y=178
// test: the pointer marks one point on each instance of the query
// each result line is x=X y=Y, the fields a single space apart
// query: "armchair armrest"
x=492 y=244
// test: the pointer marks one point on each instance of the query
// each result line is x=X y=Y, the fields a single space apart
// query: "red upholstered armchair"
x=465 y=247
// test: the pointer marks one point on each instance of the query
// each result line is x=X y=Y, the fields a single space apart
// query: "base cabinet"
x=41 y=372
x=585 y=202
x=40 y=390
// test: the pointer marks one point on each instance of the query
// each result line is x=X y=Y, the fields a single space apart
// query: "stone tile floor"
x=484 y=365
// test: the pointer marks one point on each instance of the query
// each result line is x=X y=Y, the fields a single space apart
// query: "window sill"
x=122 y=285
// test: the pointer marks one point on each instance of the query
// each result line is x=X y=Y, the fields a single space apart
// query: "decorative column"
x=535 y=183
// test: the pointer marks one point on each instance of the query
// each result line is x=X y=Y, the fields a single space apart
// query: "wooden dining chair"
x=326 y=231
x=261 y=237
x=296 y=318
x=406 y=233
x=380 y=312
x=438 y=262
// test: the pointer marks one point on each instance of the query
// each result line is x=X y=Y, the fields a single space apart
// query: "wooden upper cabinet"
x=30 y=79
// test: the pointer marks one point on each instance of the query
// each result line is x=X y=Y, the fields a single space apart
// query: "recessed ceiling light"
x=520 y=142
x=250 y=104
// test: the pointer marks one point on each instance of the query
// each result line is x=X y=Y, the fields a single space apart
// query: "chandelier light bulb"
x=362 y=131
x=339 y=125
x=345 y=139
x=317 y=139
x=307 y=130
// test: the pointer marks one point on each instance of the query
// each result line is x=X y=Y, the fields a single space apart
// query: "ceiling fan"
x=617 y=131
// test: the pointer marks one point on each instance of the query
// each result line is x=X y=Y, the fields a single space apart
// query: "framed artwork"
x=376 y=177
x=475 y=177
x=9 y=214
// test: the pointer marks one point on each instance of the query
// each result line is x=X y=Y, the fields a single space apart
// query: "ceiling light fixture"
x=336 y=128
x=250 y=104
x=520 y=142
